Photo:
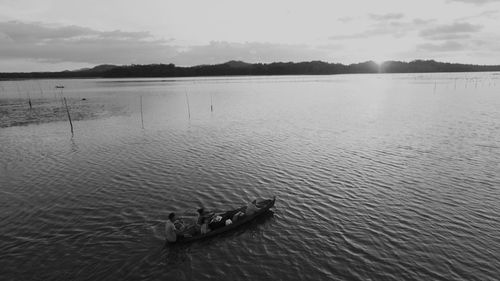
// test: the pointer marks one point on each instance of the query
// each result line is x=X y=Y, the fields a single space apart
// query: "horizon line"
x=379 y=63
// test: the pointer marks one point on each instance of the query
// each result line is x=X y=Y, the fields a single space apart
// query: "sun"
x=379 y=63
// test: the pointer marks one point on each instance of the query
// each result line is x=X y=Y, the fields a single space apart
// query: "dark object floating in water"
x=84 y=99
x=59 y=87
x=263 y=206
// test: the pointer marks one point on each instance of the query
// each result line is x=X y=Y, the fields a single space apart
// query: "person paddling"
x=200 y=215
x=170 y=229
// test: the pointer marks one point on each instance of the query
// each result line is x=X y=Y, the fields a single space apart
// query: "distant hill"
x=237 y=64
x=97 y=69
x=419 y=66
x=102 y=68
x=243 y=68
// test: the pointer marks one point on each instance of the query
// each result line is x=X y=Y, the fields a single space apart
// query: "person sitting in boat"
x=201 y=214
x=204 y=229
x=170 y=229
x=251 y=208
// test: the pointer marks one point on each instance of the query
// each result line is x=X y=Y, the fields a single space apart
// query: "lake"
x=377 y=177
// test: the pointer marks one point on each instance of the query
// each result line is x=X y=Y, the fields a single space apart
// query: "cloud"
x=384 y=27
x=359 y=35
x=57 y=43
x=419 y=21
x=384 y=17
x=476 y=2
x=451 y=31
x=345 y=19
x=488 y=14
x=446 y=46
x=449 y=36
x=19 y=32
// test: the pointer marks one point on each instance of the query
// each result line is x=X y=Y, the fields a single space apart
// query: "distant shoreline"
x=239 y=68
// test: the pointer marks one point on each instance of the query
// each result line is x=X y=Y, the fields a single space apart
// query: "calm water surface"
x=377 y=177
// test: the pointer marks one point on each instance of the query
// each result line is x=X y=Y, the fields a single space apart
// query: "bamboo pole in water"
x=69 y=116
x=61 y=95
x=142 y=119
x=189 y=110
x=211 y=103
x=27 y=95
x=29 y=99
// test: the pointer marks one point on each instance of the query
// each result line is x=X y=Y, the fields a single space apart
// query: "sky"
x=54 y=35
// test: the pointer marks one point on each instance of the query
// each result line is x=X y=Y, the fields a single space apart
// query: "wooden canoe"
x=263 y=206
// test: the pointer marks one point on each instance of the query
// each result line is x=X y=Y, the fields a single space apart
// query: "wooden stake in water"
x=189 y=111
x=61 y=95
x=211 y=103
x=142 y=119
x=69 y=116
x=29 y=99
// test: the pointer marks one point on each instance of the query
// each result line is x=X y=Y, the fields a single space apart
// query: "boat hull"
x=265 y=205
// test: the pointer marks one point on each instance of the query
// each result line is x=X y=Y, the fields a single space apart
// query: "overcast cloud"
x=52 y=34
x=51 y=43
x=477 y=2
x=454 y=29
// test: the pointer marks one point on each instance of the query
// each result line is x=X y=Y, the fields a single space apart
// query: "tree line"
x=242 y=68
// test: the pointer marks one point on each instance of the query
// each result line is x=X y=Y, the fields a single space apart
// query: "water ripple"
x=379 y=183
